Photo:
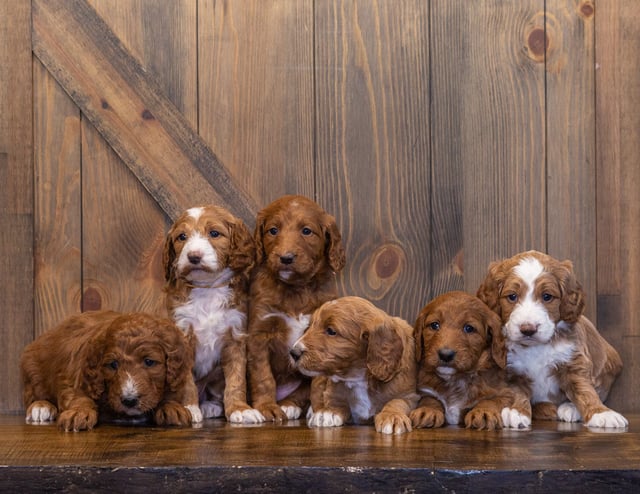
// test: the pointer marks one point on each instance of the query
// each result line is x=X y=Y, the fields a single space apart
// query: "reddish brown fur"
x=225 y=381
x=587 y=377
x=308 y=281
x=477 y=390
x=68 y=370
x=350 y=340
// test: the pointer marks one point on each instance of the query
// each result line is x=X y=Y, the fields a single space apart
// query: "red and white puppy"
x=461 y=370
x=368 y=357
x=569 y=366
x=208 y=255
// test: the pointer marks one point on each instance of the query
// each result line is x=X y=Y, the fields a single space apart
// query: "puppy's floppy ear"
x=572 y=294
x=497 y=340
x=179 y=351
x=258 y=236
x=384 y=349
x=168 y=258
x=334 y=250
x=243 y=247
x=93 y=381
x=489 y=290
x=418 y=335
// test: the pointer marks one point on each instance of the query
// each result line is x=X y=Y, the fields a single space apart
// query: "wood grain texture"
x=618 y=181
x=373 y=146
x=129 y=109
x=58 y=208
x=16 y=197
x=222 y=457
x=571 y=144
x=255 y=62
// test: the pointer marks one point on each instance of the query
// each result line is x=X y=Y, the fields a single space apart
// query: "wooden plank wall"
x=442 y=136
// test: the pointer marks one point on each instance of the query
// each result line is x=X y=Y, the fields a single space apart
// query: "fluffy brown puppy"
x=299 y=250
x=567 y=365
x=368 y=358
x=207 y=257
x=462 y=360
x=102 y=362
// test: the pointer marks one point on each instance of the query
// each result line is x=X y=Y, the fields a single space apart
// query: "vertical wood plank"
x=571 y=162
x=495 y=140
x=372 y=124
x=57 y=222
x=123 y=227
x=618 y=134
x=256 y=92
x=16 y=198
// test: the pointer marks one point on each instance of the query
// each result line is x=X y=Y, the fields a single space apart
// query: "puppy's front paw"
x=392 y=423
x=483 y=418
x=608 y=419
x=78 y=419
x=514 y=419
x=427 y=417
x=567 y=412
x=292 y=412
x=211 y=409
x=173 y=413
x=196 y=413
x=325 y=418
x=246 y=416
x=271 y=412
x=41 y=411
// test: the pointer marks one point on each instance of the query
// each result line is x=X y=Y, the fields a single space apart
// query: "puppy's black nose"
x=287 y=258
x=446 y=355
x=130 y=402
x=194 y=258
x=528 y=329
x=295 y=354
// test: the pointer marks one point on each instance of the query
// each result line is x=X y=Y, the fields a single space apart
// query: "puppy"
x=207 y=258
x=368 y=357
x=462 y=360
x=299 y=250
x=104 y=363
x=566 y=363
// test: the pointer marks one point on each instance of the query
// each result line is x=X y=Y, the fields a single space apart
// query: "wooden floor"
x=219 y=457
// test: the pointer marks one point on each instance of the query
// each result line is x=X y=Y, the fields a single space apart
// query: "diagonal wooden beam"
x=131 y=111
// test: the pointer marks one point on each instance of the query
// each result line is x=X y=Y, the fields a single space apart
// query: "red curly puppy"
x=462 y=360
x=102 y=363
x=299 y=250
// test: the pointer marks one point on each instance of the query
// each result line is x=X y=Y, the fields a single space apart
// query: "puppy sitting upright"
x=207 y=257
x=568 y=366
x=368 y=357
x=461 y=375
x=299 y=250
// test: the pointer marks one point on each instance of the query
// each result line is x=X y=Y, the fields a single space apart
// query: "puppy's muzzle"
x=296 y=353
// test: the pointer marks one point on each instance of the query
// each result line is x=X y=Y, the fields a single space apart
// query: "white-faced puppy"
x=461 y=371
x=368 y=357
x=102 y=363
x=568 y=365
x=207 y=257
x=299 y=251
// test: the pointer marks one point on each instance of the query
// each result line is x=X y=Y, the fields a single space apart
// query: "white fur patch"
x=292 y=412
x=359 y=400
x=200 y=246
x=250 y=416
x=513 y=419
x=40 y=414
x=208 y=314
x=195 y=213
x=452 y=408
x=297 y=325
x=609 y=419
x=196 y=414
x=130 y=388
x=567 y=412
x=324 y=419
x=211 y=409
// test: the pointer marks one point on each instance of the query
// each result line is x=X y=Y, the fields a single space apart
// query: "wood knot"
x=537 y=44
x=587 y=9
x=91 y=299
x=384 y=268
x=147 y=115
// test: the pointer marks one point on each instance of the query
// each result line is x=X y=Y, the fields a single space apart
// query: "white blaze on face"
x=198 y=244
x=130 y=388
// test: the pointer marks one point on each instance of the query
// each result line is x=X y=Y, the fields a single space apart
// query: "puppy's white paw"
x=41 y=412
x=325 y=419
x=211 y=409
x=292 y=412
x=196 y=413
x=513 y=419
x=567 y=412
x=609 y=419
x=250 y=416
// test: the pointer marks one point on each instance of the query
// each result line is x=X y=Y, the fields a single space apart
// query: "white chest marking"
x=359 y=401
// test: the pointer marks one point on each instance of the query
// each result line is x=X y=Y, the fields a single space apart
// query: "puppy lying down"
x=102 y=363
x=368 y=357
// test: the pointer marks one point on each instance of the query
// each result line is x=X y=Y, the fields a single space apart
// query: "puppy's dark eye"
x=182 y=237
x=330 y=331
x=468 y=328
x=113 y=364
x=307 y=231
x=547 y=297
x=435 y=325
x=214 y=233
x=512 y=297
x=149 y=362
x=273 y=231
